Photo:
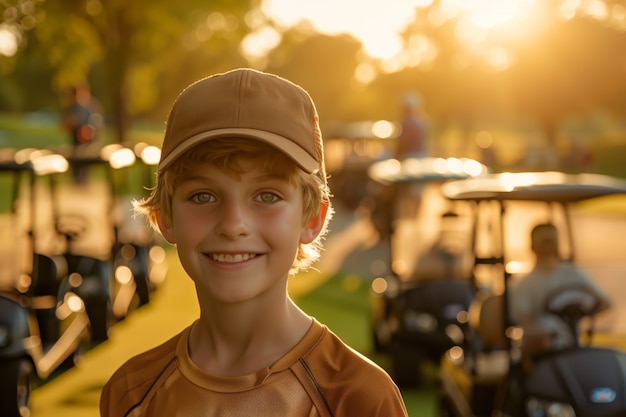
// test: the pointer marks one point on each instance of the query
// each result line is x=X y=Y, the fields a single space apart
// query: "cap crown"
x=250 y=104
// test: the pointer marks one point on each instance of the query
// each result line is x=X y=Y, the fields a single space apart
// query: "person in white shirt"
x=542 y=330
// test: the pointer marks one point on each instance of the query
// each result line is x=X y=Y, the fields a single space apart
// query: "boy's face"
x=237 y=237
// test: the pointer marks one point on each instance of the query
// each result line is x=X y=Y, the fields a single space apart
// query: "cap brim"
x=301 y=157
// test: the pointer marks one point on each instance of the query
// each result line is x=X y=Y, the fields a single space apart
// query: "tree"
x=125 y=49
x=571 y=72
x=567 y=68
x=324 y=65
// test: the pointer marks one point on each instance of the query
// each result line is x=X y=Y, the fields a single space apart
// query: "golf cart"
x=57 y=255
x=138 y=257
x=415 y=307
x=120 y=246
x=485 y=375
x=43 y=322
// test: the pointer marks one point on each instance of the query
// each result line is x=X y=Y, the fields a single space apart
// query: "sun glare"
x=487 y=29
x=491 y=13
x=376 y=24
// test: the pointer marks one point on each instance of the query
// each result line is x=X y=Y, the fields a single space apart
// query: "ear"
x=314 y=225
x=165 y=226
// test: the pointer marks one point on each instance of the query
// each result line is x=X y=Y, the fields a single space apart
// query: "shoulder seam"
x=317 y=386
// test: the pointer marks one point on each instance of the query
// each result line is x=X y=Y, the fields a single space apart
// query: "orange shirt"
x=320 y=377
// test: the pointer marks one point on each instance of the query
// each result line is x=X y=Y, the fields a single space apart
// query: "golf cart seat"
x=486 y=320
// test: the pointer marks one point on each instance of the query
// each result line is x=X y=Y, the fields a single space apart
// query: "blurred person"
x=242 y=192
x=83 y=121
x=411 y=143
x=544 y=331
x=444 y=259
x=412 y=139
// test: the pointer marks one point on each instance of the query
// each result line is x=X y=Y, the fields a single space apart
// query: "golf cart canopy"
x=393 y=171
x=535 y=186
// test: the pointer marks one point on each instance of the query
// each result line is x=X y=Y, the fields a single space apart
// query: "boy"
x=242 y=193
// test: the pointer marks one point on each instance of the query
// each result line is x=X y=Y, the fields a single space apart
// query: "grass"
x=23 y=131
x=342 y=303
x=609 y=159
x=43 y=130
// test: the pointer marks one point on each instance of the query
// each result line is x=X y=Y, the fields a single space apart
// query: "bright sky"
x=375 y=22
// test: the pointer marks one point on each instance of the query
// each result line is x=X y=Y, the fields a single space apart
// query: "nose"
x=233 y=222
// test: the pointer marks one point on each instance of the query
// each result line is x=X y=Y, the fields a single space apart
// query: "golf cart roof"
x=534 y=186
x=12 y=166
x=392 y=171
x=10 y=163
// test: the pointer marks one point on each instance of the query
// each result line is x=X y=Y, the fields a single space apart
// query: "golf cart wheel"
x=17 y=379
x=99 y=313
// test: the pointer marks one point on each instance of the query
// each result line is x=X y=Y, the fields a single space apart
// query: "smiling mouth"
x=239 y=257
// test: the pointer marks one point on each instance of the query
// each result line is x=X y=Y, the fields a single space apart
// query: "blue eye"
x=202 y=198
x=267 y=197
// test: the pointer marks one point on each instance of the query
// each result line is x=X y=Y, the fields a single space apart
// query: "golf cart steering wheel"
x=572 y=300
x=571 y=303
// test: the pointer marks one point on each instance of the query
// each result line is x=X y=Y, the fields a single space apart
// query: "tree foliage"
x=573 y=71
x=137 y=55
x=127 y=50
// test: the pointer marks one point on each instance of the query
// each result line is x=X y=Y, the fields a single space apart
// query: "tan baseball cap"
x=245 y=103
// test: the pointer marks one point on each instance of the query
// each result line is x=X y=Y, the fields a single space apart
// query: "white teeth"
x=240 y=257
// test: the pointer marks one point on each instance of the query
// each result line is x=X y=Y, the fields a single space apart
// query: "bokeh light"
x=9 y=40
